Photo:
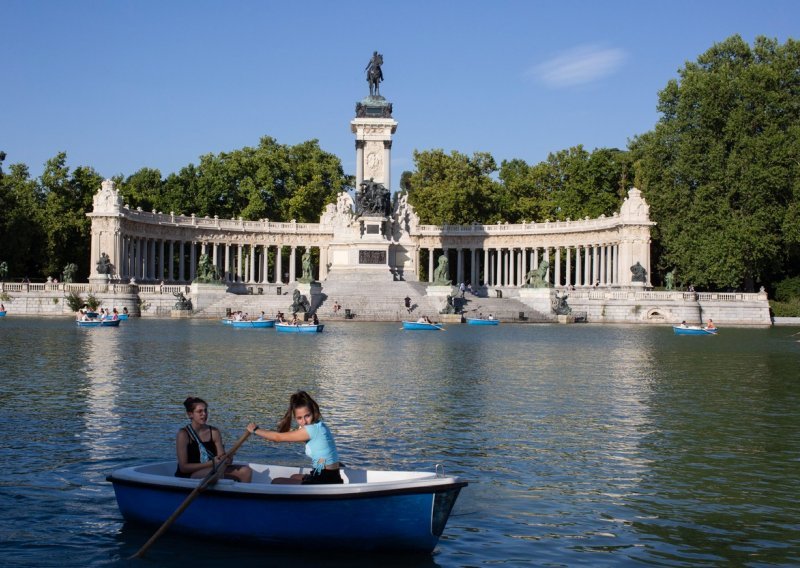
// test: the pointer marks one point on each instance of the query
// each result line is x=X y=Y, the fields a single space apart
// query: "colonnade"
x=151 y=260
x=579 y=265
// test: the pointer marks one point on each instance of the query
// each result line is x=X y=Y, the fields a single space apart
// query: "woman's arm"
x=299 y=435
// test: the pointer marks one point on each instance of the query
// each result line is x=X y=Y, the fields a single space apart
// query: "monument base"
x=312 y=291
x=204 y=295
x=180 y=313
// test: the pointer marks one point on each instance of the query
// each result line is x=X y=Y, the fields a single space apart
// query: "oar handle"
x=209 y=479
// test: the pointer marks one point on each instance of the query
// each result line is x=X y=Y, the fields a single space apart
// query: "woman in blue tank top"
x=320 y=446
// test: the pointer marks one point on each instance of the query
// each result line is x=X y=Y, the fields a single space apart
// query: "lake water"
x=584 y=445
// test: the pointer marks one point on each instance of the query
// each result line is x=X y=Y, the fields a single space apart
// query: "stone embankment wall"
x=598 y=305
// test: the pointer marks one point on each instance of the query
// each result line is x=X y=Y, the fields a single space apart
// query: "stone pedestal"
x=312 y=291
x=99 y=282
x=439 y=294
x=180 y=313
x=450 y=318
x=540 y=299
x=204 y=295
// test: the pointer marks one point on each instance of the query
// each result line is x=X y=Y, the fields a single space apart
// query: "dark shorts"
x=323 y=477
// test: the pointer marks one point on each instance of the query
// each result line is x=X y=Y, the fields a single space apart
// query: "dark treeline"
x=721 y=171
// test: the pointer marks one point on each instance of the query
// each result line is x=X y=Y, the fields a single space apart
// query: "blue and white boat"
x=252 y=323
x=482 y=321
x=371 y=510
x=299 y=327
x=123 y=316
x=419 y=325
x=226 y=321
x=693 y=330
x=89 y=323
x=2 y=314
x=110 y=322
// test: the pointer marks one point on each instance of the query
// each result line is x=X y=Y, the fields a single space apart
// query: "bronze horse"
x=375 y=74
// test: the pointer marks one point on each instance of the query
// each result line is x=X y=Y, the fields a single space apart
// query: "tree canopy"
x=721 y=169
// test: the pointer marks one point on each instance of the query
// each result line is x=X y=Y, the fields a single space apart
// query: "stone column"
x=595 y=264
x=171 y=262
x=323 y=262
x=161 y=259
x=292 y=262
x=387 y=164
x=569 y=266
x=603 y=266
x=430 y=264
x=151 y=259
x=181 y=262
x=549 y=264
x=359 y=162
x=486 y=266
x=252 y=264
x=279 y=265
x=498 y=273
x=523 y=266
x=192 y=260
x=578 y=276
x=239 y=256
x=459 y=265
x=558 y=267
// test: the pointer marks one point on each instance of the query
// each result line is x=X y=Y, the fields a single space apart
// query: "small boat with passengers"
x=300 y=327
x=252 y=323
x=422 y=325
x=371 y=510
x=482 y=321
x=693 y=330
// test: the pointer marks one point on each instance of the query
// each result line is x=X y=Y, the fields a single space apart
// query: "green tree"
x=454 y=188
x=720 y=170
x=21 y=236
x=67 y=199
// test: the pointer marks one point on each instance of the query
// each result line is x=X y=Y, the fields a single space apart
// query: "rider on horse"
x=374 y=73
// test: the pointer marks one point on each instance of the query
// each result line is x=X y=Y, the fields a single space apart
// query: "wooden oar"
x=208 y=480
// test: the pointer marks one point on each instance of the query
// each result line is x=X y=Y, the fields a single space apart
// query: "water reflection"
x=100 y=349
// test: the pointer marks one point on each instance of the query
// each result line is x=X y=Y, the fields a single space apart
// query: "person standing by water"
x=320 y=446
x=199 y=446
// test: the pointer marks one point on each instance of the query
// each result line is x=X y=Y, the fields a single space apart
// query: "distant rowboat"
x=419 y=325
x=693 y=330
x=482 y=321
x=253 y=323
x=299 y=328
x=2 y=314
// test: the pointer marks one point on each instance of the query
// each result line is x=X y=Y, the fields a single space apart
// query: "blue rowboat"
x=253 y=323
x=109 y=323
x=2 y=314
x=481 y=321
x=226 y=321
x=418 y=325
x=299 y=328
x=693 y=330
x=123 y=316
x=89 y=323
x=371 y=510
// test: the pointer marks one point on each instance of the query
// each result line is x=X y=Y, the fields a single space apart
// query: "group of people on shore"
x=200 y=450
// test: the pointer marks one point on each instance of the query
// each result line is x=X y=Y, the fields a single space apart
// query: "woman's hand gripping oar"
x=210 y=479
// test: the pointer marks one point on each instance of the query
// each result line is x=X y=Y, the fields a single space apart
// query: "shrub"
x=74 y=301
x=788 y=289
x=789 y=309
x=92 y=302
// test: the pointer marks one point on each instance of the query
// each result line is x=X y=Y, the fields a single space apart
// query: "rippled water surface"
x=583 y=445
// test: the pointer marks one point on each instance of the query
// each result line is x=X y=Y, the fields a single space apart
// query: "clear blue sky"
x=120 y=84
